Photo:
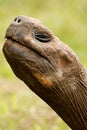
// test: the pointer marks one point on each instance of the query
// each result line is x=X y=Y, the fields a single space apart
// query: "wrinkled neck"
x=70 y=100
x=67 y=98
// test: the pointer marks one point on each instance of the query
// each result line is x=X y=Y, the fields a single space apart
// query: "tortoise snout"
x=20 y=29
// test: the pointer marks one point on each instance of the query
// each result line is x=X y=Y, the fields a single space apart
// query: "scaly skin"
x=50 y=68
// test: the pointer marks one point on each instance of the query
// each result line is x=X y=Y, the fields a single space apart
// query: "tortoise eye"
x=42 y=37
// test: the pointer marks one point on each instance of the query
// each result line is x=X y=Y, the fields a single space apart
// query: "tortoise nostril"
x=17 y=20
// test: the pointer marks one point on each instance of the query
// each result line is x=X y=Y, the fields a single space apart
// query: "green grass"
x=68 y=20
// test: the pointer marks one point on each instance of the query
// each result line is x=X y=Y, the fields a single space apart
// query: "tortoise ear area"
x=65 y=60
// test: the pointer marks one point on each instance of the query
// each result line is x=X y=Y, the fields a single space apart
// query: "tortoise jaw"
x=27 y=45
x=17 y=58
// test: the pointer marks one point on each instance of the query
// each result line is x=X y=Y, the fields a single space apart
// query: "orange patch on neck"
x=45 y=81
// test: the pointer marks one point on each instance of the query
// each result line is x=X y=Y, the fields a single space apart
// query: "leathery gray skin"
x=49 y=68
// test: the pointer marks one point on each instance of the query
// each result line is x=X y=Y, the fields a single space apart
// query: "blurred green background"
x=20 y=108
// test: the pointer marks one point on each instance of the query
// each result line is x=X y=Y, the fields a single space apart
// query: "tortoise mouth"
x=11 y=39
x=22 y=44
x=14 y=48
